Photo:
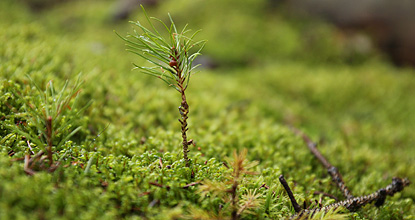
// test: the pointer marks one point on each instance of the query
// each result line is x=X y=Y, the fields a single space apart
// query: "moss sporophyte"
x=171 y=59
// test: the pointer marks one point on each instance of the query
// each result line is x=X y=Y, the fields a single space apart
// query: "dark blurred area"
x=124 y=8
x=39 y=5
x=389 y=23
x=387 y=26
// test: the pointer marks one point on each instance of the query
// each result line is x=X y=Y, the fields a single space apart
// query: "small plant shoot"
x=50 y=120
x=171 y=61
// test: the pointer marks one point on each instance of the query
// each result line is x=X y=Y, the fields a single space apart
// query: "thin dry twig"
x=332 y=170
x=397 y=185
x=326 y=194
x=351 y=203
x=287 y=188
x=27 y=169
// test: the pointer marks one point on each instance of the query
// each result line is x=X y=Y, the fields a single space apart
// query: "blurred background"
x=327 y=66
x=253 y=31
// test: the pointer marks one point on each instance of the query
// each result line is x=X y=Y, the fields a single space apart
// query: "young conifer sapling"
x=172 y=61
x=51 y=119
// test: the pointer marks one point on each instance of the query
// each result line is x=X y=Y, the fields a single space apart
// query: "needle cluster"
x=171 y=59
x=48 y=121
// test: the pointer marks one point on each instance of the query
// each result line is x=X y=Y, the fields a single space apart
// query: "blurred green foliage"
x=254 y=31
x=269 y=76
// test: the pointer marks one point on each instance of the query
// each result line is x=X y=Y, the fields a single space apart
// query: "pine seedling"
x=171 y=60
x=50 y=116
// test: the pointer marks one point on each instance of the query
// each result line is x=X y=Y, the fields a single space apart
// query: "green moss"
x=361 y=115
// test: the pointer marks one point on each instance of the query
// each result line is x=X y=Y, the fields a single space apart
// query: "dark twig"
x=265 y=186
x=326 y=194
x=287 y=188
x=351 y=203
x=397 y=185
x=333 y=171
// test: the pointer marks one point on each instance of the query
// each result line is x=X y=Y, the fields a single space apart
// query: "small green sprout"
x=50 y=116
x=171 y=59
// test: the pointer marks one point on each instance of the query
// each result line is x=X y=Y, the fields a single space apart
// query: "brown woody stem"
x=49 y=138
x=184 y=111
x=332 y=170
x=287 y=188
x=351 y=203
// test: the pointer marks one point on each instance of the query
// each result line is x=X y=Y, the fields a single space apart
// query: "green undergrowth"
x=125 y=161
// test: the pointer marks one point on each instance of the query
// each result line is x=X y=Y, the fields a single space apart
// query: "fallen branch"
x=351 y=203
x=397 y=185
x=287 y=188
x=326 y=194
x=332 y=170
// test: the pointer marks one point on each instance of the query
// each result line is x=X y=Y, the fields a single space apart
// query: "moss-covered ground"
x=125 y=162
